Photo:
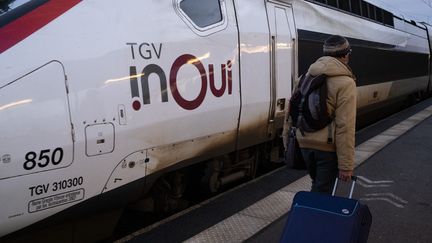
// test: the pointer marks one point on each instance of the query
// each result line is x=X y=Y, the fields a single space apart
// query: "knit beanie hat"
x=336 y=46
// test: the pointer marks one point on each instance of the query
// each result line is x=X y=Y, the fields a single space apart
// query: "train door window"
x=344 y=5
x=355 y=7
x=365 y=9
x=203 y=15
x=332 y=3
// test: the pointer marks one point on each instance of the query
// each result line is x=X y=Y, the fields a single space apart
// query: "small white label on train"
x=55 y=200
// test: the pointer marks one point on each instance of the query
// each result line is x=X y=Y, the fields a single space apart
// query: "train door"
x=282 y=61
x=266 y=61
x=254 y=72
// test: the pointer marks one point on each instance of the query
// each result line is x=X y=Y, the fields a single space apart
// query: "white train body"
x=95 y=94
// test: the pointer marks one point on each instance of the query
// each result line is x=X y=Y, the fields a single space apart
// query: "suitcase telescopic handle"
x=353 y=180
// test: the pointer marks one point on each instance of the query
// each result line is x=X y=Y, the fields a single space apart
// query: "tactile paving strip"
x=247 y=222
x=236 y=228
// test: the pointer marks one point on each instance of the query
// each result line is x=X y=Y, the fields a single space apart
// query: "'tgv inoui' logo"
x=186 y=59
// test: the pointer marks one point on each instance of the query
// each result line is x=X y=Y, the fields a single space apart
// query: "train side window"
x=322 y=1
x=355 y=7
x=372 y=12
x=202 y=13
x=332 y=3
x=379 y=16
x=388 y=18
x=344 y=5
x=365 y=9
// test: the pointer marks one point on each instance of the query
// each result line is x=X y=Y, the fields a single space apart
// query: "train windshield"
x=8 y=5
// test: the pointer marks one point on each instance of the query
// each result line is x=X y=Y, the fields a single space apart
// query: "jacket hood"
x=330 y=66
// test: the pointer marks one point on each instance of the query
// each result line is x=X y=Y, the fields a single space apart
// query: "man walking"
x=329 y=152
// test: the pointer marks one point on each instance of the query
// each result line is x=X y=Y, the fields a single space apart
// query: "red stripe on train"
x=21 y=28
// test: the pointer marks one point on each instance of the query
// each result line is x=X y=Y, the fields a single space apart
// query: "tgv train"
x=105 y=103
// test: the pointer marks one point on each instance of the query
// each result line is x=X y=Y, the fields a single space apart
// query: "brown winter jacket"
x=342 y=102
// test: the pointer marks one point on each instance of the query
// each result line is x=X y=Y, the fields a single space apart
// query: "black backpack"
x=308 y=104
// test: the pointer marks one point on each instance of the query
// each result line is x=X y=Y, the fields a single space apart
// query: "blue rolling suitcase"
x=321 y=218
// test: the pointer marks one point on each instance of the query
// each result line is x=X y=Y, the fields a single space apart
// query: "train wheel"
x=257 y=158
x=210 y=180
x=168 y=193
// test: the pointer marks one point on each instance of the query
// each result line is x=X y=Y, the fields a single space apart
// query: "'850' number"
x=43 y=158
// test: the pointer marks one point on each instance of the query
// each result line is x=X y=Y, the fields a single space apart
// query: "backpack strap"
x=330 y=133
x=301 y=89
x=300 y=116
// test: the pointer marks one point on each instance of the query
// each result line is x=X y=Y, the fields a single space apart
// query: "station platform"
x=394 y=165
